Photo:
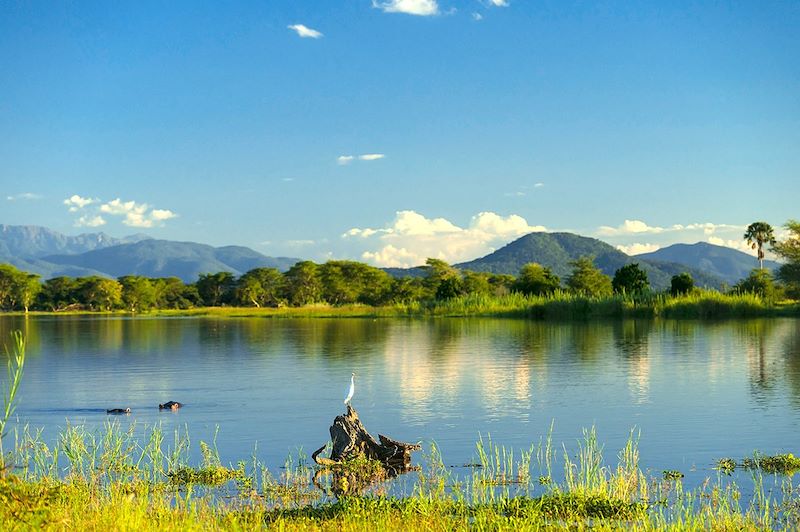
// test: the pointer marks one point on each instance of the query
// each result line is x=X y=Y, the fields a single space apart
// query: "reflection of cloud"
x=411 y=238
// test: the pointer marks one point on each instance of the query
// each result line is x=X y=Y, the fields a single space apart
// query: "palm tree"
x=758 y=234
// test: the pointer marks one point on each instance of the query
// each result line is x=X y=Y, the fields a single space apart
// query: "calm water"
x=698 y=391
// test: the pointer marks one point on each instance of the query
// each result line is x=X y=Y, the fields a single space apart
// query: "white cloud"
x=628 y=227
x=24 y=196
x=300 y=243
x=76 y=203
x=637 y=226
x=538 y=185
x=136 y=214
x=162 y=214
x=305 y=32
x=347 y=159
x=740 y=245
x=499 y=3
x=411 y=238
x=411 y=7
x=477 y=16
x=90 y=221
x=638 y=249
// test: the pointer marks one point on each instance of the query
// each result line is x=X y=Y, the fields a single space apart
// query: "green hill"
x=556 y=250
x=728 y=264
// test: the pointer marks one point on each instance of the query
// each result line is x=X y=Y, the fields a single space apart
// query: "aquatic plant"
x=14 y=369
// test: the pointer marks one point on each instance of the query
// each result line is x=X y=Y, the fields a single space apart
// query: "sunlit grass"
x=136 y=478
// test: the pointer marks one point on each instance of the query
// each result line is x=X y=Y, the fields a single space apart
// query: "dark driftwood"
x=351 y=440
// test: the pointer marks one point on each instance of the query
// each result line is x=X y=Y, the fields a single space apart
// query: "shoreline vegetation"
x=699 y=304
x=141 y=478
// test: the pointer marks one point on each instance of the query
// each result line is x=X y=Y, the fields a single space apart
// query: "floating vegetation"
x=784 y=464
x=726 y=465
x=672 y=474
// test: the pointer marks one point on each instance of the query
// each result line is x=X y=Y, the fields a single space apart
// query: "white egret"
x=352 y=388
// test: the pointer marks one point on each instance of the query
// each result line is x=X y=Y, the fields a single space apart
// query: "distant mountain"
x=164 y=258
x=728 y=264
x=33 y=241
x=556 y=250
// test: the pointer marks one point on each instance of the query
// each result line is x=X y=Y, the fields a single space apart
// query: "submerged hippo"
x=170 y=405
x=118 y=411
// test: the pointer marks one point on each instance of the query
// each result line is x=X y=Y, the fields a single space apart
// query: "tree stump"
x=351 y=440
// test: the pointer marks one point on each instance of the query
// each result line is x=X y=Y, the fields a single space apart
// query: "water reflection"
x=698 y=390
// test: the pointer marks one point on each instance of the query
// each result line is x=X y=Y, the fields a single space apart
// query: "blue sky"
x=393 y=130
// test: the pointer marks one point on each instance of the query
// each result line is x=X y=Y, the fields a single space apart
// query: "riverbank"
x=131 y=480
x=560 y=306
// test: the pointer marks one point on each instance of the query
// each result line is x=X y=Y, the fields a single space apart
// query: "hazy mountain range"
x=50 y=254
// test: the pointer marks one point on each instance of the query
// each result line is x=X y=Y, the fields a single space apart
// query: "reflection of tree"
x=754 y=335
x=791 y=358
x=339 y=339
x=631 y=337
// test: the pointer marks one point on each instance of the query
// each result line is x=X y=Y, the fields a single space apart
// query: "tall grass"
x=114 y=479
x=14 y=369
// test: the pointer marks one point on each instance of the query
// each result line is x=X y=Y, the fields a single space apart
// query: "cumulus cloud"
x=136 y=214
x=637 y=226
x=411 y=7
x=411 y=238
x=371 y=156
x=24 y=196
x=740 y=245
x=305 y=32
x=638 y=249
x=76 y=203
x=344 y=159
x=90 y=221
x=499 y=3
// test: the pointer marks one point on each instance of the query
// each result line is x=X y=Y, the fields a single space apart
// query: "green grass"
x=700 y=304
x=114 y=479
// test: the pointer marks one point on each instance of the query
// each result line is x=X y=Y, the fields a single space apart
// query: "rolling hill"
x=556 y=250
x=728 y=264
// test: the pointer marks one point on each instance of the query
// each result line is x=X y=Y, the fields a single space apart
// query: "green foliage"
x=785 y=464
x=215 y=288
x=535 y=279
x=681 y=284
x=99 y=293
x=587 y=280
x=18 y=289
x=59 y=293
x=759 y=283
x=303 y=285
x=442 y=281
x=789 y=251
x=757 y=234
x=261 y=287
x=630 y=279
x=14 y=369
x=138 y=293
x=347 y=282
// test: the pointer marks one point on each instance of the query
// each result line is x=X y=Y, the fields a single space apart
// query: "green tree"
x=406 y=290
x=59 y=293
x=346 y=282
x=262 y=287
x=477 y=283
x=757 y=234
x=8 y=280
x=789 y=251
x=501 y=283
x=535 y=279
x=681 y=284
x=138 y=293
x=302 y=284
x=585 y=279
x=442 y=281
x=759 y=282
x=28 y=288
x=215 y=288
x=170 y=292
x=99 y=293
x=630 y=279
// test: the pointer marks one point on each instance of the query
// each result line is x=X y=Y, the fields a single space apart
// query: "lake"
x=697 y=391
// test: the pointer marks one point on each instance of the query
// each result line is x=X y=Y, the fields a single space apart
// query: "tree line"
x=342 y=282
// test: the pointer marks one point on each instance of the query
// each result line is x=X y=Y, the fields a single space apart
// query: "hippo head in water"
x=170 y=405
